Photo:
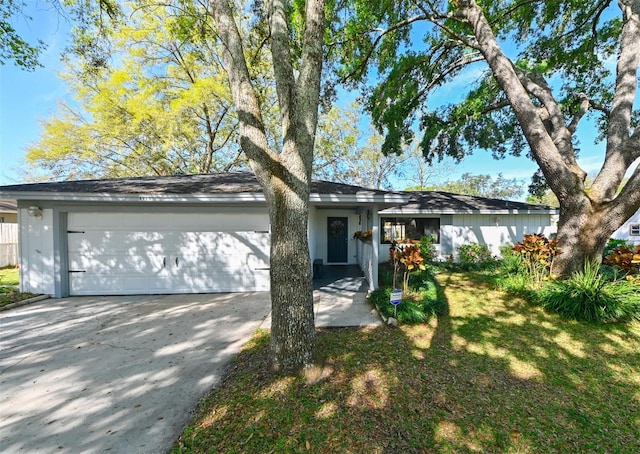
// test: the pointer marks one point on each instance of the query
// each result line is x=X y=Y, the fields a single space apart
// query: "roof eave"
x=401 y=210
x=369 y=198
x=133 y=198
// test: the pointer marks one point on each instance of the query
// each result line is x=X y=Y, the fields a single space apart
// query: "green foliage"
x=513 y=274
x=542 y=196
x=9 y=276
x=12 y=46
x=474 y=254
x=427 y=248
x=347 y=153
x=537 y=253
x=612 y=244
x=511 y=262
x=9 y=280
x=150 y=95
x=418 y=305
x=482 y=186
x=588 y=296
x=570 y=40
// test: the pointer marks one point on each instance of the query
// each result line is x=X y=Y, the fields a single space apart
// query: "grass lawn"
x=494 y=374
x=9 y=277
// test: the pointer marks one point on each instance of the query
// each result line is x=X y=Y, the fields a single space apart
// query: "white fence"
x=8 y=244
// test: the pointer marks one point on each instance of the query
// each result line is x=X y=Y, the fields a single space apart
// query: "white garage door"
x=153 y=253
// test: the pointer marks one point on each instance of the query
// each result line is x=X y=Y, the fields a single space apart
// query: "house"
x=210 y=233
x=8 y=212
x=456 y=219
x=630 y=230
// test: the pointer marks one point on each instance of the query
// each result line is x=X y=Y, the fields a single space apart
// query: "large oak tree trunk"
x=582 y=235
x=292 y=327
x=588 y=216
x=284 y=176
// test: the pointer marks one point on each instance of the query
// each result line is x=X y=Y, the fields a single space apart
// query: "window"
x=634 y=229
x=402 y=229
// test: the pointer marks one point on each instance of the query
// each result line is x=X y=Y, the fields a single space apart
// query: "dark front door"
x=337 y=239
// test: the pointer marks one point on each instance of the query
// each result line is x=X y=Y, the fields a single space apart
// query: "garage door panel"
x=254 y=219
x=115 y=263
x=115 y=254
x=114 y=284
x=203 y=283
x=121 y=241
x=252 y=246
x=222 y=222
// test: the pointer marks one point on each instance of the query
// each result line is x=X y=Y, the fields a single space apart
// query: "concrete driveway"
x=115 y=374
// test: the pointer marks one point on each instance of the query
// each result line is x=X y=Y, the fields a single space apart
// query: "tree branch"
x=584 y=108
x=359 y=69
x=555 y=124
x=281 y=58
x=543 y=147
x=618 y=156
x=308 y=84
x=253 y=138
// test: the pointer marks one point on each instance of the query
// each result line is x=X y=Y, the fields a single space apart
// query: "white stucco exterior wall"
x=482 y=229
x=493 y=230
x=36 y=252
x=312 y=229
x=624 y=232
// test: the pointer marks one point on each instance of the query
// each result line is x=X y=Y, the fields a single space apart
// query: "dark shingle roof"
x=437 y=201
x=246 y=183
x=217 y=183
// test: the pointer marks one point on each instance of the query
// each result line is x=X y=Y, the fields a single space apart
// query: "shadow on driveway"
x=115 y=374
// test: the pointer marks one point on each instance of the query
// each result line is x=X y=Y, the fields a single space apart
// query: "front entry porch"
x=340 y=298
x=341 y=276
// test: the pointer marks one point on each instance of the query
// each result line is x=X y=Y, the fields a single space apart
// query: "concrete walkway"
x=340 y=300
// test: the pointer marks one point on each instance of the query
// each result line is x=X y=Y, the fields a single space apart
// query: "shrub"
x=511 y=263
x=624 y=257
x=587 y=295
x=475 y=254
x=537 y=253
x=518 y=284
x=417 y=306
x=612 y=244
x=427 y=248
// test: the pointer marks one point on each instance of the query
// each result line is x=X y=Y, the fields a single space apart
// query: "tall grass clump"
x=589 y=296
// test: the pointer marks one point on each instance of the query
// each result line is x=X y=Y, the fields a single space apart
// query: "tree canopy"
x=151 y=99
x=482 y=186
x=348 y=152
x=542 y=68
x=14 y=47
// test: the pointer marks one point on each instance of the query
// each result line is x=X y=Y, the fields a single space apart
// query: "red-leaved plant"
x=537 y=252
x=409 y=259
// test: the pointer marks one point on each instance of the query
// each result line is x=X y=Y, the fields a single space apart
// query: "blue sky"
x=27 y=98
